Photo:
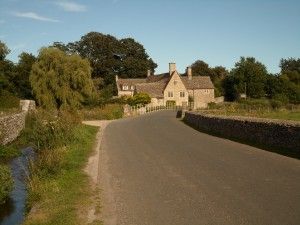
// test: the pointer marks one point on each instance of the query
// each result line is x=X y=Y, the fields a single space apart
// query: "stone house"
x=170 y=88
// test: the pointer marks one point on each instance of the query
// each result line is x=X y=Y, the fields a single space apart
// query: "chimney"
x=117 y=78
x=189 y=72
x=148 y=73
x=172 y=68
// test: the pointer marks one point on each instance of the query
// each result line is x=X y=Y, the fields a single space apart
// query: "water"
x=12 y=213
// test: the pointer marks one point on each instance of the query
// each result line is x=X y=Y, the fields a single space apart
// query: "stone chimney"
x=189 y=72
x=148 y=73
x=172 y=68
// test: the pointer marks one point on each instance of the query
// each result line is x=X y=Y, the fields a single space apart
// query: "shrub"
x=6 y=182
x=139 y=99
x=45 y=130
x=7 y=101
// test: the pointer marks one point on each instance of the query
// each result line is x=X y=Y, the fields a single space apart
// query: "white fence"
x=139 y=110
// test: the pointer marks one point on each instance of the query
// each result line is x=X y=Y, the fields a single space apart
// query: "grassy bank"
x=55 y=197
x=107 y=112
x=256 y=108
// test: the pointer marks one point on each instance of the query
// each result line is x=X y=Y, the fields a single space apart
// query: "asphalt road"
x=157 y=170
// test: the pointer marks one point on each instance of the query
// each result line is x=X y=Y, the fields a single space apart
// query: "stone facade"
x=267 y=132
x=176 y=91
x=171 y=87
x=12 y=125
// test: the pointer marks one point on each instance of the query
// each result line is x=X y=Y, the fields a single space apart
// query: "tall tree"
x=7 y=70
x=59 y=80
x=4 y=50
x=134 y=60
x=290 y=68
x=21 y=79
x=250 y=76
x=217 y=74
x=109 y=56
x=201 y=68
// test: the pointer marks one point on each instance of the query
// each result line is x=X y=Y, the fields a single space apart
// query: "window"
x=125 y=87
x=182 y=94
x=170 y=94
x=132 y=87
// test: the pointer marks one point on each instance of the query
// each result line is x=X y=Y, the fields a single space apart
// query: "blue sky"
x=216 y=31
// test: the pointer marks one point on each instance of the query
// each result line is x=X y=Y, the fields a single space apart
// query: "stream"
x=12 y=213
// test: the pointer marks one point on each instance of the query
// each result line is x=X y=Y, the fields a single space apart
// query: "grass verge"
x=107 y=112
x=260 y=108
x=57 y=198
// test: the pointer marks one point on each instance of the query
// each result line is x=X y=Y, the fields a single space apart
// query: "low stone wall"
x=12 y=125
x=273 y=133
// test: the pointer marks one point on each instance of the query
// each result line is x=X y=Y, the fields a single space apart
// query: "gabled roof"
x=130 y=82
x=163 y=77
x=154 y=85
x=197 y=82
x=154 y=90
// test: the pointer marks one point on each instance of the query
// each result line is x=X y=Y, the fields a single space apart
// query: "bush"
x=45 y=130
x=6 y=182
x=8 y=101
x=139 y=99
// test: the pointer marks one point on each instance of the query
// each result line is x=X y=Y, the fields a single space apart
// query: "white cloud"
x=34 y=16
x=71 y=6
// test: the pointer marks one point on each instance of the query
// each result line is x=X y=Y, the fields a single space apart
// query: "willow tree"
x=60 y=81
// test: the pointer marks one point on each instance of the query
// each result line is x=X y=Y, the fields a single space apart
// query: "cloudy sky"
x=182 y=31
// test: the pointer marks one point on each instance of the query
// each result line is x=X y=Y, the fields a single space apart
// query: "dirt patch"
x=92 y=215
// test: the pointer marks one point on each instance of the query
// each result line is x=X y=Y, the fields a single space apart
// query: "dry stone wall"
x=277 y=133
x=12 y=125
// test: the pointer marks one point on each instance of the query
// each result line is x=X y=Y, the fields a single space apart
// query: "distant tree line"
x=83 y=73
x=251 y=77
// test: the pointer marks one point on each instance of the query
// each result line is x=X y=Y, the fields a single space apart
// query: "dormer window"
x=125 y=87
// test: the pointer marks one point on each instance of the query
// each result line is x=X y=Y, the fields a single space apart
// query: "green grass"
x=271 y=114
x=262 y=108
x=56 y=199
x=107 y=112
x=8 y=152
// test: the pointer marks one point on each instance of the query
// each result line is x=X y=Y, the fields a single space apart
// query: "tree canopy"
x=21 y=79
x=6 y=69
x=217 y=74
x=109 y=56
x=250 y=77
x=59 y=80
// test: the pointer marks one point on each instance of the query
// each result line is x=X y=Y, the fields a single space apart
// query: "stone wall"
x=268 y=132
x=12 y=125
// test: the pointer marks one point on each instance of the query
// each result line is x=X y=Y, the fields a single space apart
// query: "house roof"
x=154 y=85
x=129 y=81
x=197 y=82
x=154 y=90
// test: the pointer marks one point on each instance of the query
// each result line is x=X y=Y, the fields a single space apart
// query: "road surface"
x=155 y=170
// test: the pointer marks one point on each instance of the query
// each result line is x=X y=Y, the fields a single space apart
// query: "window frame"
x=170 y=94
